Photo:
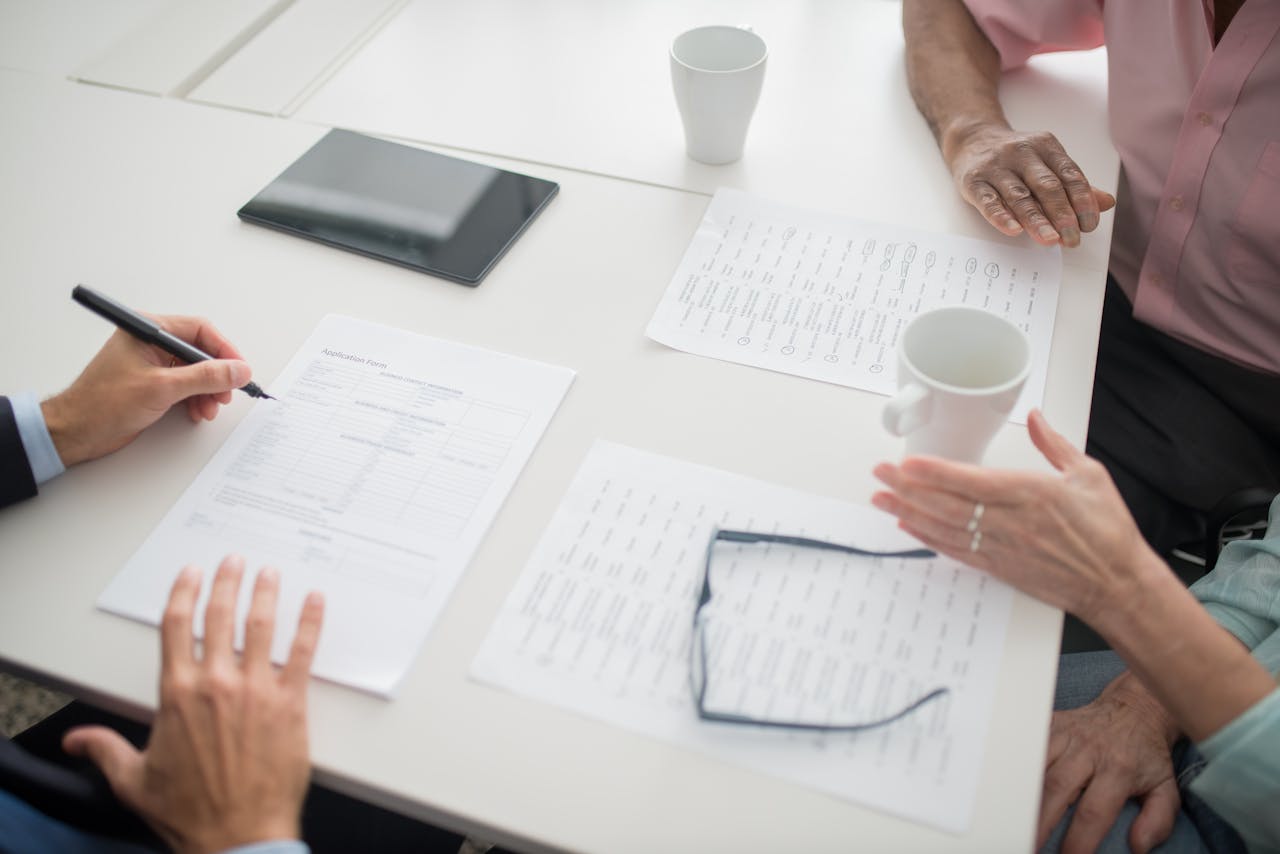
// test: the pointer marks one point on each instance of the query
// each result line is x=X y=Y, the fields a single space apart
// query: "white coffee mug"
x=717 y=73
x=960 y=371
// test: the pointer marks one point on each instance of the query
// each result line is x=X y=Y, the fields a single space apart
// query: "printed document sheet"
x=600 y=623
x=372 y=479
x=825 y=296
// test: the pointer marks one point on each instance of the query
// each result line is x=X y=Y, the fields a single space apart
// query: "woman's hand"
x=1117 y=748
x=1066 y=539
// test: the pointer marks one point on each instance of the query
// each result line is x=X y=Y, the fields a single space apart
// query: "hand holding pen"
x=130 y=384
x=151 y=331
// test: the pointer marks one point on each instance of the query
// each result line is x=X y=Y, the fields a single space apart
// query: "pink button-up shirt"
x=1197 y=234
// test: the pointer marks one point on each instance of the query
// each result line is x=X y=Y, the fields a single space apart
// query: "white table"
x=58 y=36
x=137 y=195
x=585 y=84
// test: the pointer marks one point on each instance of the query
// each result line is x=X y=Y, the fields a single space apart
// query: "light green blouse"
x=1241 y=780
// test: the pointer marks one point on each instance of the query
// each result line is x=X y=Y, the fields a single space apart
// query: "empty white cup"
x=717 y=73
x=960 y=371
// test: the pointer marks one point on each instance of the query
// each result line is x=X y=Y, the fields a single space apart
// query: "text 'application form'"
x=372 y=478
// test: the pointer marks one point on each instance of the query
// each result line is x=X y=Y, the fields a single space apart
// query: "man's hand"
x=1023 y=182
x=129 y=385
x=1101 y=755
x=1018 y=181
x=227 y=762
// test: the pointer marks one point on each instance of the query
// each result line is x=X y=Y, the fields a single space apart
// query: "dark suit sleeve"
x=16 y=481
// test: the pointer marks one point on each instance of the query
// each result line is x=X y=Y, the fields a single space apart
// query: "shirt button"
x=1205 y=119
x=1176 y=203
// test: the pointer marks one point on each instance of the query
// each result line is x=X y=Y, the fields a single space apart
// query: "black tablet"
x=438 y=214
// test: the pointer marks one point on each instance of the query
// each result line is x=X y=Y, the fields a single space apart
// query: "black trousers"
x=1177 y=428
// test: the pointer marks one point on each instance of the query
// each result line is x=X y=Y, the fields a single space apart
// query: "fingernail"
x=1070 y=236
x=233 y=563
x=1013 y=225
x=880 y=501
x=240 y=373
x=1047 y=232
x=1088 y=221
x=315 y=599
x=270 y=575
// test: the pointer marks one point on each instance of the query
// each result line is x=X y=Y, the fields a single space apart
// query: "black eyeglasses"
x=698 y=673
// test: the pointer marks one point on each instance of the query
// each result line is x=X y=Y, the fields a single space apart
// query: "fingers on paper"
x=177 y=640
x=220 y=612
x=305 y=641
x=260 y=624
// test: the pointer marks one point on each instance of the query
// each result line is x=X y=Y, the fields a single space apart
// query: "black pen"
x=148 y=331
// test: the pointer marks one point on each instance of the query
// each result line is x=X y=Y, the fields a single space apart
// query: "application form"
x=372 y=479
x=599 y=623
x=825 y=296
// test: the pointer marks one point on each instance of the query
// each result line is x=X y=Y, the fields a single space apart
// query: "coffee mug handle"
x=908 y=410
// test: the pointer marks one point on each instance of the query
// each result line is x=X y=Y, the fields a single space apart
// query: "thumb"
x=212 y=377
x=1105 y=200
x=1056 y=449
x=118 y=760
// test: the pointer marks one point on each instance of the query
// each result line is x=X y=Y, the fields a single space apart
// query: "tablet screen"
x=434 y=213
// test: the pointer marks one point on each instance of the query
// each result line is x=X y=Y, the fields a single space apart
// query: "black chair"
x=34 y=768
x=1241 y=515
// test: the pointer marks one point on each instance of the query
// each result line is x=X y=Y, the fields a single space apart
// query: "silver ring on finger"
x=976 y=519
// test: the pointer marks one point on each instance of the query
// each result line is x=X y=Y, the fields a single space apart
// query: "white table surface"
x=138 y=195
x=58 y=36
x=293 y=55
x=176 y=49
x=585 y=84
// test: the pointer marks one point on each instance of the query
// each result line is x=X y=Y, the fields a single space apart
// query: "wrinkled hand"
x=1066 y=539
x=227 y=762
x=128 y=385
x=1024 y=181
x=1100 y=755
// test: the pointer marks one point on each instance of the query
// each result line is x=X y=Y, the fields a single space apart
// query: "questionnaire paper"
x=825 y=296
x=599 y=623
x=372 y=479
